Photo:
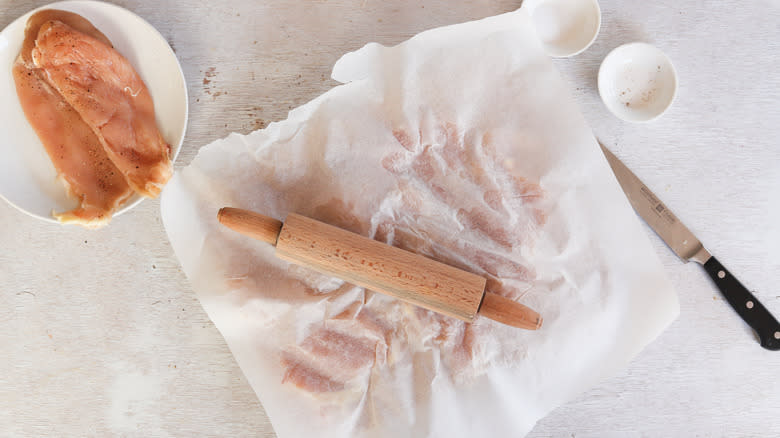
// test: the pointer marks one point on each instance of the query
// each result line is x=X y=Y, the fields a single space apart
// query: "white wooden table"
x=101 y=334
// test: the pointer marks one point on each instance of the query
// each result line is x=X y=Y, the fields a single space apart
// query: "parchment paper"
x=461 y=144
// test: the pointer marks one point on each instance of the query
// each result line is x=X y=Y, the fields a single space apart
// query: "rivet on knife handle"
x=747 y=306
x=379 y=267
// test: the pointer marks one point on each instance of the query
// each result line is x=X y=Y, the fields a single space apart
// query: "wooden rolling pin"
x=380 y=267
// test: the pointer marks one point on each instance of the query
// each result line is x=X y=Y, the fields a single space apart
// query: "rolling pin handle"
x=509 y=312
x=251 y=224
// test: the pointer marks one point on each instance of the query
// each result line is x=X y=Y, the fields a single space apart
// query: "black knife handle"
x=747 y=306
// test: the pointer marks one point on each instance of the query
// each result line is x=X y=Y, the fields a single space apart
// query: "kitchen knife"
x=689 y=248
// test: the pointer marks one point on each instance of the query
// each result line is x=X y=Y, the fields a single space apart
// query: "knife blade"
x=685 y=244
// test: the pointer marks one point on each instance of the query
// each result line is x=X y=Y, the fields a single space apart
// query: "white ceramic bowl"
x=28 y=180
x=637 y=82
x=565 y=27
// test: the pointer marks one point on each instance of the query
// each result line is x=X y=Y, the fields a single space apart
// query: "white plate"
x=637 y=82
x=28 y=180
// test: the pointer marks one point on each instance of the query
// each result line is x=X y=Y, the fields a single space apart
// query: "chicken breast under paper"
x=494 y=211
x=102 y=86
x=78 y=156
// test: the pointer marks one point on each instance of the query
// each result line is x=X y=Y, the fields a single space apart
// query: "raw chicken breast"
x=81 y=163
x=102 y=86
x=333 y=355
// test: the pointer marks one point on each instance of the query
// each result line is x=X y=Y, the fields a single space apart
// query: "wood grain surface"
x=257 y=226
x=509 y=312
x=102 y=335
x=379 y=267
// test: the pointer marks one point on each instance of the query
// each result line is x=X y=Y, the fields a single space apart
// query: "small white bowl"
x=28 y=180
x=565 y=27
x=637 y=82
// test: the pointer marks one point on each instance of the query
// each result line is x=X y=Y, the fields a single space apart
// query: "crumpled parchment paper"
x=462 y=144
